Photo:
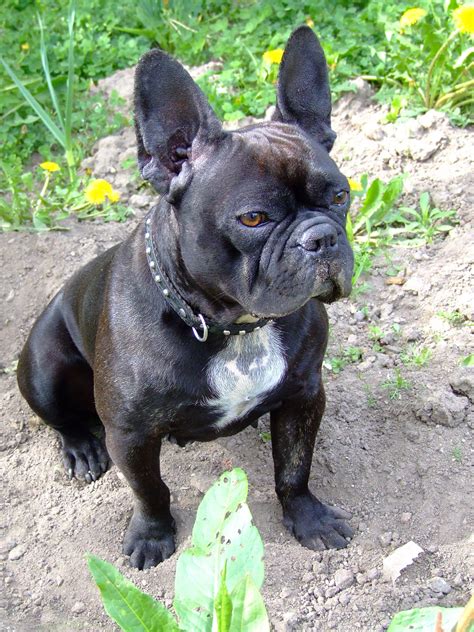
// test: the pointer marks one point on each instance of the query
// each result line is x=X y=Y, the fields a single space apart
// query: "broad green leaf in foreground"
x=424 y=619
x=223 y=536
x=129 y=607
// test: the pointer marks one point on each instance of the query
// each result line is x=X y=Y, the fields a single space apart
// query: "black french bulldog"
x=211 y=313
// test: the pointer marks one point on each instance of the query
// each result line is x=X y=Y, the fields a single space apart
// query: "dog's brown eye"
x=254 y=218
x=340 y=197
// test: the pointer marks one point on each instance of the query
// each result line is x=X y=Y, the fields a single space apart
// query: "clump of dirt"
x=394 y=447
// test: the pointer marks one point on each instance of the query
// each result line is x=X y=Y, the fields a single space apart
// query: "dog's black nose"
x=320 y=239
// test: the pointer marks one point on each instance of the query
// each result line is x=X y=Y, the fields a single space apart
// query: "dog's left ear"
x=174 y=123
x=303 y=96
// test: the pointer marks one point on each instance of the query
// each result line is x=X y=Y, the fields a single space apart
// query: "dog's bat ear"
x=173 y=121
x=303 y=96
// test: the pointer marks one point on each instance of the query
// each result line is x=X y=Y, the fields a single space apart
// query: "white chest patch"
x=244 y=371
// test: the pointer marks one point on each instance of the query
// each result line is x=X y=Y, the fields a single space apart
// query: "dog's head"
x=260 y=212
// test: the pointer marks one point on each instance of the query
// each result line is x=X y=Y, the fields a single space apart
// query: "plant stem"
x=43 y=192
x=458 y=91
x=428 y=96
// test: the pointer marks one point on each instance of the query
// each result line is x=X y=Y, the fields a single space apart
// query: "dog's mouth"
x=327 y=290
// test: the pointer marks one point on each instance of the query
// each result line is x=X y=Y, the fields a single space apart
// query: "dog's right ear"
x=173 y=121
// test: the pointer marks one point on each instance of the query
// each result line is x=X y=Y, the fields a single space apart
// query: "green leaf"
x=468 y=360
x=32 y=102
x=129 y=607
x=223 y=536
x=424 y=619
x=70 y=84
x=223 y=605
x=219 y=501
x=248 y=609
x=393 y=191
x=47 y=73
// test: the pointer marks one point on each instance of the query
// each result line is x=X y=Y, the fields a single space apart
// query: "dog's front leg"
x=293 y=427
x=150 y=535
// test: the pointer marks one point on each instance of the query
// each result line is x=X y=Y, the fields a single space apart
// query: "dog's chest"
x=247 y=369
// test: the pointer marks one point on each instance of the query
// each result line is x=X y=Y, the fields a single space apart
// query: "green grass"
x=416 y=355
x=113 y=35
x=350 y=355
x=395 y=384
x=108 y=36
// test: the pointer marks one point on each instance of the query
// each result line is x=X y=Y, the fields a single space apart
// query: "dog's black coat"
x=109 y=349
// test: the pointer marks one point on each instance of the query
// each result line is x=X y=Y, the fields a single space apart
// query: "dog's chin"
x=329 y=292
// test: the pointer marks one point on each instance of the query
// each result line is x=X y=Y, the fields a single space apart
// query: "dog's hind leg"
x=57 y=382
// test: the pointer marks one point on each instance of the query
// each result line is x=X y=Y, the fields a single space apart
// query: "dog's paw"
x=315 y=525
x=85 y=457
x=148 y=544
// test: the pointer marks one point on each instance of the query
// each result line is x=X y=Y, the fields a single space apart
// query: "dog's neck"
x=168 y=269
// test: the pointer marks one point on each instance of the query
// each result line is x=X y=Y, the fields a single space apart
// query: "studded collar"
x=200 y=325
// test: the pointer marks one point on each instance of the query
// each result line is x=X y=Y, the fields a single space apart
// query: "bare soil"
x=400 y=462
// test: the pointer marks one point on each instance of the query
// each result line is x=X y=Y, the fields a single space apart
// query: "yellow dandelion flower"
x=464 y=18
x=94 y=195
x=50 y=166
x=309 y=22
x=273 y=56
x=411 y=17
x=114 y=196
x=98 y=191
x=355 y=186
x=25 y=46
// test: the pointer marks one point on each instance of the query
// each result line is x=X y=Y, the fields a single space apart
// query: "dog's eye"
x=254 y=218
x=340 y=197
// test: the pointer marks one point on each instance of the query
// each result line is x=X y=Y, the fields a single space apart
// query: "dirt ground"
x=401 y=465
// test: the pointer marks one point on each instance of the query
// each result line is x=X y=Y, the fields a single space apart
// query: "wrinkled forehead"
x=286 y=155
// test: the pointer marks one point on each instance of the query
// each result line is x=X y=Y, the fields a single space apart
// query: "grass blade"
x=47 y=74
x=70 y=83
x=33 y=103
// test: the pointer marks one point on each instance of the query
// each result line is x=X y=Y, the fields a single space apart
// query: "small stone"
x=373 y=131
x=388 y=339
x=285 y=593
x=343 y=578
x=405 y=517
x=344 y=598
x=289 y=619
x=372 y=574
x=439 y=585
x=140 y=201
x=457 y=581
x=385 y=538
x=78 y=608
x=360 y=316
x=361 y=578
x=416 y=285
x=413 y=335
x=17 y=552
x=330 y=592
